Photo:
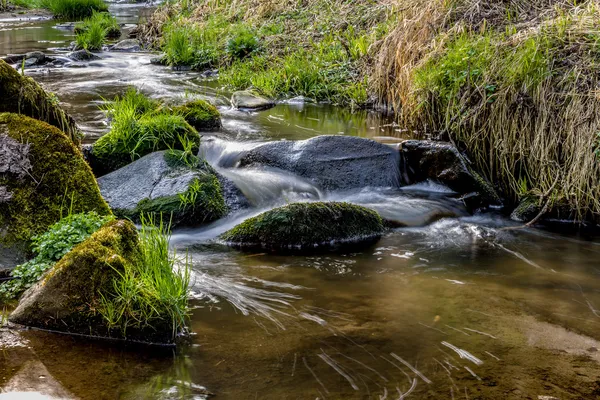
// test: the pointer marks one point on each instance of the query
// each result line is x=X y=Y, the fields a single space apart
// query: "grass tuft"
x=153 y=291
x=74 y=9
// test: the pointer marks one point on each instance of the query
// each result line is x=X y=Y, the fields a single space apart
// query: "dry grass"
x=528 y=110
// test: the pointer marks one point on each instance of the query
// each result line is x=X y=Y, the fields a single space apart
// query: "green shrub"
x=74 y=9
x=242 y=43
x=153 y=291
x=139 y=127
x=103 y=19
x=50 y=247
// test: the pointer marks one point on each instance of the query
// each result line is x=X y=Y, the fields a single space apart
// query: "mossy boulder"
x=170 y=182
x=200 y=114
x=66 y=297
x=42 y=176
x=307 y=227
x=22 y=95
x=130 y=142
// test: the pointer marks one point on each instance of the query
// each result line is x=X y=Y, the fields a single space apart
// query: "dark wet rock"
x=39 y=168
x=247 y=100
x=60 y=61
x=159 y=60
x=21 y=94
x=157 y=183
x=331 y=162
x=13 y=58
x=443 y=163
x=307 y=227
x=200 y=114
x=234 y=198
x=527 y=209
x=210 y=73
x=82 y=55
x=67 y=26
x=65 y=298
x=11 y=255
x=35 y=58
x=127 y=45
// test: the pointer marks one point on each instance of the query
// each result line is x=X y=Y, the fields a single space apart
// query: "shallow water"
x=452 y=307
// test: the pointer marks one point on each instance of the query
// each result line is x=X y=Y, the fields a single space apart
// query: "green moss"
x=200 y=114
x=22 y=95
x=306 y=226
x=57 y=180
x=140 y=126
x=202 y=202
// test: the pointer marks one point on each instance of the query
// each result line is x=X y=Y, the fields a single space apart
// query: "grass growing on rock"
x=93 y=31
x=200 y=114
x=306 y=226
x=74 y=9
x=150 y=293
x=141 y=125
x=50 y=247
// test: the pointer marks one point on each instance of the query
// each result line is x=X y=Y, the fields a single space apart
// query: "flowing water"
x=453 y=306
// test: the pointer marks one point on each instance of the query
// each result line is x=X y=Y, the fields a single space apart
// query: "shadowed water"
x=451 y=306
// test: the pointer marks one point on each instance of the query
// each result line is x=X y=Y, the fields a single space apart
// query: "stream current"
x=453 y=306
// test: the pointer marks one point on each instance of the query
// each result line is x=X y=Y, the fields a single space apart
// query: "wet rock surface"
x=82 y=55
x=154 y=184
x=331 y=162
x=127 y=46
x=247 y=100
x=442 y=162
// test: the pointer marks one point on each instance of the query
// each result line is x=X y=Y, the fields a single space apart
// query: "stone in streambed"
x=307 y=227
x=22 y=95
x=82 y=55
x=331 y=162
x=42 y=174
x=127 y=46
x=160 y=183
x=442 y=162
x=248 y=100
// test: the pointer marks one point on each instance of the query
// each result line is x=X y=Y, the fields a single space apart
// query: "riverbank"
x=512 y=85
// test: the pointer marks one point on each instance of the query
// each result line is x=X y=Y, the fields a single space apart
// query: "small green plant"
x=154 y=290
x=50 y=247
x=242 y=43
x=74 y=9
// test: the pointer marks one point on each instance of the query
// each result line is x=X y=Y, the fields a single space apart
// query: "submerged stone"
x=307 y=227
x=162 y=182
x=66 y=297
x=82 y=55
x=248 y=100
x=200 y=114
x=331 y=162
x=22 y=95
x=127 y=46
x=42 y=176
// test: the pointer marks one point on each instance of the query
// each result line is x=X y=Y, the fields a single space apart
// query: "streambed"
x=457 y=308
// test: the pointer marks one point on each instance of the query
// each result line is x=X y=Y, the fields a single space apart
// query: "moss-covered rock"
x=172 y=182
x=306 y=227
x=200 y=114
x=22 y=95
x=66 y=297
x=42 y=176
x=136 y=138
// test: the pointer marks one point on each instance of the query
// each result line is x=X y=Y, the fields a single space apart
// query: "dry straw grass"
x=536 y=135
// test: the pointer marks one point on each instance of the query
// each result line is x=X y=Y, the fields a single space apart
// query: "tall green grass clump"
x=50 y=247
x=103 y=20
x=153 y=291
x=139 y=126
x=92 y=38
x=74 y=9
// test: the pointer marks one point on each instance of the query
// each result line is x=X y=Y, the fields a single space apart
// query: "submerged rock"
x=22 y=95
x=162 y=182
x=443 y=163
x=127 y=45
x=42 y=176
x=306 y=227
x=66 y=297
x=200 y=114
x=82 y=55
x=527 y=209
x=246 y=99
x=331 y=162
